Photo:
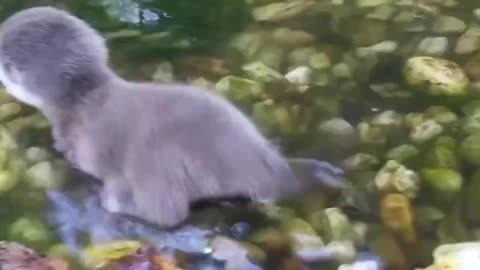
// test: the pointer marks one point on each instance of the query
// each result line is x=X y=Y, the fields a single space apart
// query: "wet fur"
x=156 y=147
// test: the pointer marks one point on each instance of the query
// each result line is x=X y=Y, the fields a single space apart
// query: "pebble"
x=299 y=75
x=342 y=70
x=382 y=13
x=433 y=46
x=469 y=42
x=387 y=46
x=448 y=24
x=371 y=3
x=476 y=13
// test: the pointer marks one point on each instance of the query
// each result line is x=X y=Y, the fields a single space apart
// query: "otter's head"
x=49 y=57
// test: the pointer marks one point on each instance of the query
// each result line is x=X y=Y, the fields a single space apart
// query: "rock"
x=37 y=154
x=360 y=161
x=472 y=199
x=337 y=225
x=47 y=175
x=303 y=235
x=448 y=24
x=445 y=184
x=387 y=119
x=428 y=217
x=426 y=131
x=458 y=256
x=476 y=13
x=287 y=37
x=319 y=61
x=472 y=67
x=260 y=72
x=301 y=56
x=436 y=76
x=394 y=177
x=271 y=56
x=470 y=149
x=441 y=156
x=371 y=3
x=272 y=240
x=232 y=253
x=248 y=43
x=238 y=88
x=369 y=134
x=396 y=213
x=280 y=11
x=7 y=181
x=164 y=72
x=384 y=243
x=382 y=13
x=369 y=32
x=387 y=46
x=469 y=42
x=441 y=114
x=403 y=154
x=338 y=130
x=342 y=71
x=434 y=46
x=9 y=110
x=299 y=75
x=31 y=231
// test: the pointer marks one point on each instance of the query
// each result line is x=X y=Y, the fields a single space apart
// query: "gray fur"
x=156 y=147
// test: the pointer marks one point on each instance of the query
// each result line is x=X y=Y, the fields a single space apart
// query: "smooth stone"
x=281 y=10
x=371 y=3
x=476 y=13
x=448 y=24
x=342 y=70
x=387 y=46
x=382 y=13
x=469 y=42
x=299 y=75
x=433 y=46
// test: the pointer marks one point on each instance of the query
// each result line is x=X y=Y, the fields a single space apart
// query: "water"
x=355 y=56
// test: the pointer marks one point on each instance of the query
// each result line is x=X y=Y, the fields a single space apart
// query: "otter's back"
x=190 y=138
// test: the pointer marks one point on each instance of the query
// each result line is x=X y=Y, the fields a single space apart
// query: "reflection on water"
x=361 y=83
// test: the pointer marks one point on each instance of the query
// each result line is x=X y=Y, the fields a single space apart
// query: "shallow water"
x=346 y=55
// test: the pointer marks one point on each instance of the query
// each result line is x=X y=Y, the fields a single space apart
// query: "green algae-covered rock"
x=470 y=149
x=281 y=10
x=7 y=181
x=31 y=231
x=396 y=177
x=445 y=184
x=238 y=88
x=427 y=217
x=472 y=199
x=9 y=110
x=436 y=76
x=37 y=154
x=403 y=154
x=441 y=115
x=47 y=174
x=426 y=131
x=441 y=157
x=360 y=161
x=260 y=72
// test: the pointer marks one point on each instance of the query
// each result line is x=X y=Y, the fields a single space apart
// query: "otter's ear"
x=11 y=72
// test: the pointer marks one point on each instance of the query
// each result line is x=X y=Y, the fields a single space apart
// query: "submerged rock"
x=469 y=42
x=470 y=149
x=434 y=46
x=396 y=213
x=281 y=10
x=458 y=256
x=394 y=177
x=259 y=71
x=448 y=24
x=299 y=75
x=436 y=76
x=445 y=184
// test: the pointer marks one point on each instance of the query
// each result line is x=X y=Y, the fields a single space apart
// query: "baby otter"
x=157 y=148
